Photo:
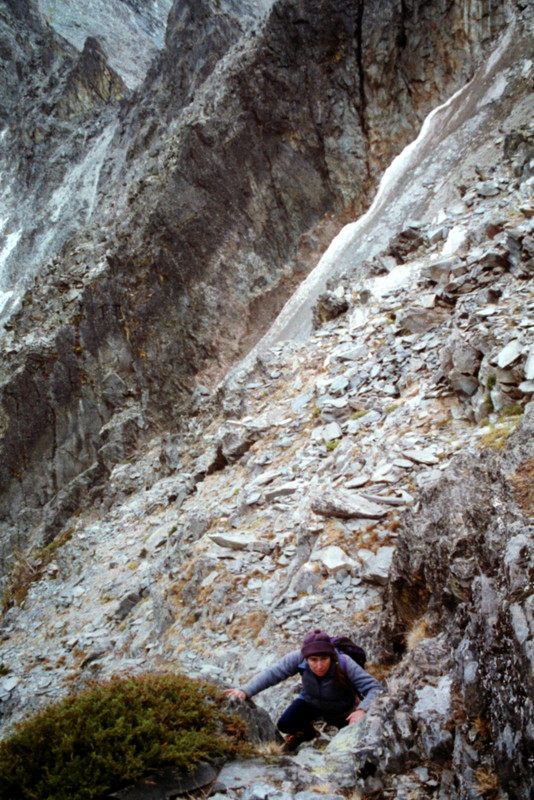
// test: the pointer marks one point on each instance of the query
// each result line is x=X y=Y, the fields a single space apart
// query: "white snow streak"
x=407 y=188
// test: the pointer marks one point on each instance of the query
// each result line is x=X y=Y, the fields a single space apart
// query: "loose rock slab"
x=339 y=503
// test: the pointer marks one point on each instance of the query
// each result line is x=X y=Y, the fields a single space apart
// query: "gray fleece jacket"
x=324 y=693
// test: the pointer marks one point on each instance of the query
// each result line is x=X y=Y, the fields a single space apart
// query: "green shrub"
x=111 y=734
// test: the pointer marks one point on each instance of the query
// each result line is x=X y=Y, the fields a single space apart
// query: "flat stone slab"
x=242 y=773
x=343 y=504
x=422 y=456
x=333 y=559
x=232 y=541
x=509 y=354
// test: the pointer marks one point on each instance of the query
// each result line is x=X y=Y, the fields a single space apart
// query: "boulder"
x=328 y=306
x=470 y=587
x=417 y=319
x=376 y=566
x=333 y=559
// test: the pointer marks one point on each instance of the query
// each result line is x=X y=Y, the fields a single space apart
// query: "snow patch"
x=5 y=297
x=11 y=241
x=495 y=91
x=81 y=181
x=402 y=275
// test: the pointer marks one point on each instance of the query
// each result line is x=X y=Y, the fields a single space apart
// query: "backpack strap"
x=342 y=661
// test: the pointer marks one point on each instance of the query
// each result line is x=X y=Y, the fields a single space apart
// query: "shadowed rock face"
x=476 y=590
x=197 y=214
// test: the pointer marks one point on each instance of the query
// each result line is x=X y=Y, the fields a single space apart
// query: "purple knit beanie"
x=317 y=643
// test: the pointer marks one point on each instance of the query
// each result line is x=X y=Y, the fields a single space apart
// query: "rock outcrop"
x=466 y=692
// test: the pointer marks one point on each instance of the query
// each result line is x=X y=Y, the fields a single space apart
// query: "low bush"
x=113 y=733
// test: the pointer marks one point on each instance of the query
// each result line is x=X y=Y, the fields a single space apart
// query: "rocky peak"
x=131 y=33
x=91 y=82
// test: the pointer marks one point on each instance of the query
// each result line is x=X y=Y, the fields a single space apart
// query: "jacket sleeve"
x=363 y=682
x=277 y=672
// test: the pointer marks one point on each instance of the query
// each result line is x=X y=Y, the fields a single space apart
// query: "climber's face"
x=319 y=665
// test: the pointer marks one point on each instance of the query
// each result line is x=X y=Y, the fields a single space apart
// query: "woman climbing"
x=332 y=685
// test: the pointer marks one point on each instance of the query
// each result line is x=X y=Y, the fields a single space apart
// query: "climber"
x=332 y=685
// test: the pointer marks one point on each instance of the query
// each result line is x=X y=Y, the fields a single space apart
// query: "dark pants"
x=299 y=718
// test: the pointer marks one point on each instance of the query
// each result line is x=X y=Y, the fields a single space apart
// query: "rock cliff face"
x=372 y=478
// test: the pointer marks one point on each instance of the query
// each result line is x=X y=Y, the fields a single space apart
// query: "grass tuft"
x=487 y=781
x=28 y=569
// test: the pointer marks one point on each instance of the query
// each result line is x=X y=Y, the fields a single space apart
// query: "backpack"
x=349 y=648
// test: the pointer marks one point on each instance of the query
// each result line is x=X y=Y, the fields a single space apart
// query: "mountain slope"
x=372 y=477
x=190 y=216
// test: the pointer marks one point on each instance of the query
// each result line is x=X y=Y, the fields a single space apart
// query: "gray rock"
x=328 y=307
x=405 y=243
x=7 y=684
x=509 y=354
x=351 y=759
x=439 y=271
x=464 y=384
x=300 y=402
x=418 y=319
x=437 y=741
x=376 y=566
x=282 y=490
x=265 y=791
x=333 y=559
x=339 y=384
x=236 y=541
x=421 y=456
x=487 y=189
x=358 y=353
x=435 y=699
x=344 y=504
x=331 y=432
x=170 y=782
x=238 y=774
x=234 y=440
x=128 y=603
x=356 y=483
